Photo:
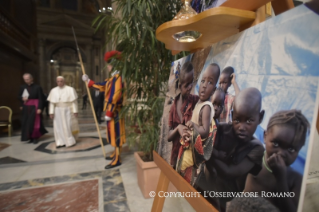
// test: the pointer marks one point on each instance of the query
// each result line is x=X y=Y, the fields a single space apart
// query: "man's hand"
x=39 y=111
x=25 y=99
x=85 y=78
x=75 y=115
x=51 y=116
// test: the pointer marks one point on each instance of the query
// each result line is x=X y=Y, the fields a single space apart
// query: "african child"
x=236 y=152
x=285 y=135
x=218 y=99
x=227 y=78
x=197 y=143
x=181 y=110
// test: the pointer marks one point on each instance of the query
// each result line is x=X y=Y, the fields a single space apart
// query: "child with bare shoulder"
x=197 y=142
x=285 y=135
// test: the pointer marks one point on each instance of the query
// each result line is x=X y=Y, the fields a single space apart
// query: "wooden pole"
x=89 y=95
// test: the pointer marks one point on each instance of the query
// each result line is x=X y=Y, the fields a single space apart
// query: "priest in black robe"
x=32 y=102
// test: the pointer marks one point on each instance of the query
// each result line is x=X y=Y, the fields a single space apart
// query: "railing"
x=11 y=28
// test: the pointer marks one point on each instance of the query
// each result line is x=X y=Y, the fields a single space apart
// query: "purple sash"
x=36 y=128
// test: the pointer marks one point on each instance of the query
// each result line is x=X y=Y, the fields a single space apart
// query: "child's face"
x=218 y=103
x=279 y=140
x=208 y=83
x=224 y=81
x=245 y=121
x=187 y=83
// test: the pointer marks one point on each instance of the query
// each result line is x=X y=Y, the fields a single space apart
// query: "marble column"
x=42 y=75
x=79 y=80
x=79 y=5
x=76 y=80
x=55 y=72
x=89 y=61
x=52 y=3
x=48 y=81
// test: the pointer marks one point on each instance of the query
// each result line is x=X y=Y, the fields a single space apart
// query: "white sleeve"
x=51 y=108
x=75 y=106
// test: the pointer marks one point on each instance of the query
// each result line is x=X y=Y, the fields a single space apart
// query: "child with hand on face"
x=227 y=78
x=197 y=142
x=181 y=110
x=236 y=152
x=285 y=135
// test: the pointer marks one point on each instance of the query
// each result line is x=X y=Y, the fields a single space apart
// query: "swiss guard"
x=113 y=92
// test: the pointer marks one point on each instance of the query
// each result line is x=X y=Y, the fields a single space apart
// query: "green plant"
x=145 y=64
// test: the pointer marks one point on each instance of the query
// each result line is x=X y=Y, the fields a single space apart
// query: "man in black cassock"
x=32 y=103
x=98 y=102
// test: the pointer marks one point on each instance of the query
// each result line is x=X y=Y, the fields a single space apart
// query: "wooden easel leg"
x=162 y=185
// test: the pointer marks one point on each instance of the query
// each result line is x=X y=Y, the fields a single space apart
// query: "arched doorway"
x=65 y=63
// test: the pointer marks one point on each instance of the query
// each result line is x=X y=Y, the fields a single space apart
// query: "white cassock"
x=63 y=104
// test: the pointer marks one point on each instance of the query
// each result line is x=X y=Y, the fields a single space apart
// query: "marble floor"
x=39 y=177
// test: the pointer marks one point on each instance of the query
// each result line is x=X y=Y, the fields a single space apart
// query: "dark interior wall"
x=11 y=69
x=17 y=56
x=22 y=12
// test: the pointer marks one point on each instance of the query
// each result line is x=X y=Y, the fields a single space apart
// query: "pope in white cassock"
x=64 y=110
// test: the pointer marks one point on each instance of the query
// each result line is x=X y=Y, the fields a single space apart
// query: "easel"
x=168 y=174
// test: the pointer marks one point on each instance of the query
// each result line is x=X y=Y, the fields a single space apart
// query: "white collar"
x=115 y=72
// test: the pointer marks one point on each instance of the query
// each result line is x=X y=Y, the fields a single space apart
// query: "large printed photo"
x=239 y=115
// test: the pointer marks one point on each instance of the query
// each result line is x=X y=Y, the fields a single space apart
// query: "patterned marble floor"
x=39 y=177
x=77 y=192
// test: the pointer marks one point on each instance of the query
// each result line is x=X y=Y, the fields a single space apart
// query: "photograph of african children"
x=240 y=116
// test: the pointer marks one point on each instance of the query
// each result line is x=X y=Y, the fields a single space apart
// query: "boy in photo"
x=236 y=152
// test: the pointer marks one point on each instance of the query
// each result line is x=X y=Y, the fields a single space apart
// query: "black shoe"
x=112 y=166
x=60 y=146
x=35 y=141
x=109 y=158
x=31 y=141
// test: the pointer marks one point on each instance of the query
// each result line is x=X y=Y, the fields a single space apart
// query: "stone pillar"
x=79 y=5
x=102 y=64
x=55 y=72
x=52 y=4
x=89 y=61
x=42 y=75
x=79 y=80
x=48 y=81
x=76 y=80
